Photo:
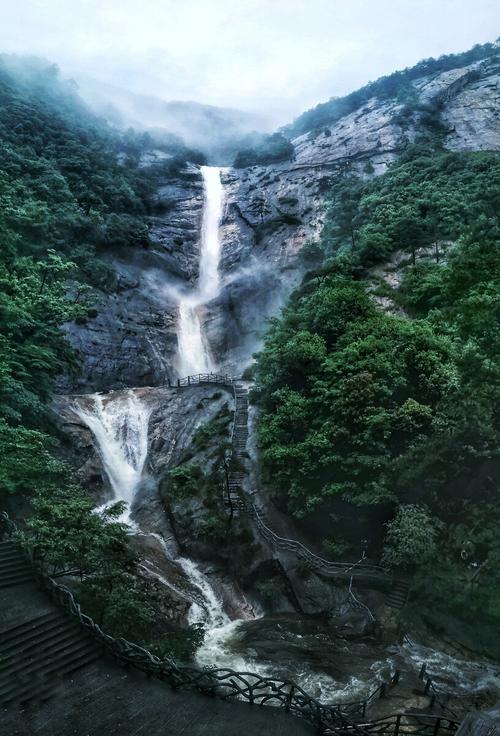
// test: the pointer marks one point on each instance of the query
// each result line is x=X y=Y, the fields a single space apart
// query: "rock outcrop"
x=270 y=213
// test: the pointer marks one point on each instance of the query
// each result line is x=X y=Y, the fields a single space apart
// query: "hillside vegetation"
x=63 y=198
x=368 y=417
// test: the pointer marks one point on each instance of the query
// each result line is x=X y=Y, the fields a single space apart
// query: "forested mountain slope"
x=380 y=384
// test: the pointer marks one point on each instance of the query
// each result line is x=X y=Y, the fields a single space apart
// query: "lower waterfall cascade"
x=120 y=429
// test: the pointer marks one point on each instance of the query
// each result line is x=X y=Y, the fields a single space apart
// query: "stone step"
x=11 y=557
x=10 y=554
x=13 y=566
x=395 y=602
x=49 y=649
x=18 y=579
x=7 y=543
x=41 y=682
x=51 y=640
x=32 y=631
x=28 y=626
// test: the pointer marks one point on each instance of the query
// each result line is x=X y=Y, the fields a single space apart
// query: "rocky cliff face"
x=132 y=340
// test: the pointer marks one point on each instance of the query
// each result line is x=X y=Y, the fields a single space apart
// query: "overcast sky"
x=277 y=56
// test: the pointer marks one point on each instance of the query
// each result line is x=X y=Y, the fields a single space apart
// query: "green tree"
x=411 y=539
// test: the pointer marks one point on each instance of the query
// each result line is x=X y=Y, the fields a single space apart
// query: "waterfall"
x=208 y=284
x=194 y=356
x=220 y=631
x=120 y=428
x=213 y=615
x=194 y=352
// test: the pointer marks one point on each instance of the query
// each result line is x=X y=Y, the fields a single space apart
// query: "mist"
x=269 y=58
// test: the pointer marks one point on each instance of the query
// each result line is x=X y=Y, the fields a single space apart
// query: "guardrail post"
x=178 y=383
x=397 y=724
x=189 y=380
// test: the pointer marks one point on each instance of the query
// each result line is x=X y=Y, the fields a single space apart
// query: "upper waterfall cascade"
x=194 y=351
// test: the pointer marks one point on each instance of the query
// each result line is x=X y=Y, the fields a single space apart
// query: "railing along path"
x=200 y=379
x=314 y=561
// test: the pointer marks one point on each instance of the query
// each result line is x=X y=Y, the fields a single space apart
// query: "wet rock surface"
x=132 y=339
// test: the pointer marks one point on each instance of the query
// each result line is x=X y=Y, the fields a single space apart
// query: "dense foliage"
x=393 y=85
x=62 y=197
x=395 y=409
x=273 y=149
x=348 y=392
x=70 y=188
x=430 y=196
x=71 y=539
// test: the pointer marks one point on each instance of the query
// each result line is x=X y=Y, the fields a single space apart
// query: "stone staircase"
x=37 y=653
x=398 y=594
x=14 y=568
x=236 y=474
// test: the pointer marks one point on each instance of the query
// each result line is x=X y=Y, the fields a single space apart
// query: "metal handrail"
x=198 y=379
x=327 y=566
x=417 y=724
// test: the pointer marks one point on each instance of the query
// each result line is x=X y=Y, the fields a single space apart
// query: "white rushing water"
x=451 y=674
x=120 y=428
x=194 y=352
x=220 y=631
